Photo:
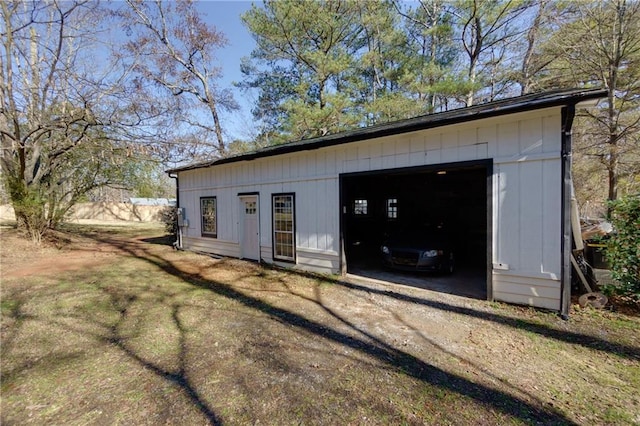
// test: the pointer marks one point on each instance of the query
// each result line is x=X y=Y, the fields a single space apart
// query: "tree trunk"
x=216 y=123
x=613 y=177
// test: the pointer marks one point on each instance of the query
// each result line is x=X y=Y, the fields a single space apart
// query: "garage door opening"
x=426 y=227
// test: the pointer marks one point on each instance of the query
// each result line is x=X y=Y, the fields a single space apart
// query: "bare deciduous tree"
x=486 y=29
x=600 y=46
x=176 y=49
x=66 y=111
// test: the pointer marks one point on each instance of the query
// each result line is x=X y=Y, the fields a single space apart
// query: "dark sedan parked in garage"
x=427 y=249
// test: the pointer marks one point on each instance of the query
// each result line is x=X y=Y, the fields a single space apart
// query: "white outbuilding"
x=496 y=176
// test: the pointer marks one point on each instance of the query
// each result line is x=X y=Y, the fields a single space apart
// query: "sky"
x=225 y=16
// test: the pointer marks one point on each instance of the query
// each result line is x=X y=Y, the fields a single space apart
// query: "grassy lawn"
x=110 y=325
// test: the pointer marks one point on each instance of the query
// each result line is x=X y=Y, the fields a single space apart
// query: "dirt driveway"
x=113 y=326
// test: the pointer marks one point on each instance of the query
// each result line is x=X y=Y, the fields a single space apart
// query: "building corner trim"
x=568 y=114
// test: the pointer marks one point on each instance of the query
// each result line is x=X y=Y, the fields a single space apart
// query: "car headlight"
x=385 y=250
x=430 y=253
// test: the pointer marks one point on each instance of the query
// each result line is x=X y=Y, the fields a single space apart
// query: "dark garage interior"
x=450 y=200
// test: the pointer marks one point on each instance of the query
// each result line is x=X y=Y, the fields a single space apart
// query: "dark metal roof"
x=491 y=109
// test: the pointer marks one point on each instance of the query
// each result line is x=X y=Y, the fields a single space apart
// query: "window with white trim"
x=209 y=215
x=284 y=247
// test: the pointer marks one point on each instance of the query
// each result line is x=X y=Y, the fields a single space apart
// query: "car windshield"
x=419 y=237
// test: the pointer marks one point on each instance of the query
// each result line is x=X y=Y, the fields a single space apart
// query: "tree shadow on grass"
x=496 y=399
x=109 y=332
x=585 y=340
x=179 y=377
x=165 y=240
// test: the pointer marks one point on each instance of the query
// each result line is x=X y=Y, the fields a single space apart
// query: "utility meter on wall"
x=182 y=220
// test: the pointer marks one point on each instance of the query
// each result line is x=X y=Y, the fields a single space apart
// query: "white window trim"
x=293 y=227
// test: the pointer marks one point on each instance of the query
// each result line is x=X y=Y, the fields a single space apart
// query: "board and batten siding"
x=526 y=201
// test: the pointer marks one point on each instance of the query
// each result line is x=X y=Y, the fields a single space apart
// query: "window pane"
x=360 y=207
x=283 y=229
x=250 y=207
x=209 y=216
x=392 y=208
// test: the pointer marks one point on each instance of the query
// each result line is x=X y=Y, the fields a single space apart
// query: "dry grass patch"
x=144 y=334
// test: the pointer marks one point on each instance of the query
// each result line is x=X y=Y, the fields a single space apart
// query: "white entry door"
x=249 y=228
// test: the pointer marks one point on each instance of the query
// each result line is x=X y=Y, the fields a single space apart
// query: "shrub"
x=170 y=220
x=30 y=207
x=623 y=248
